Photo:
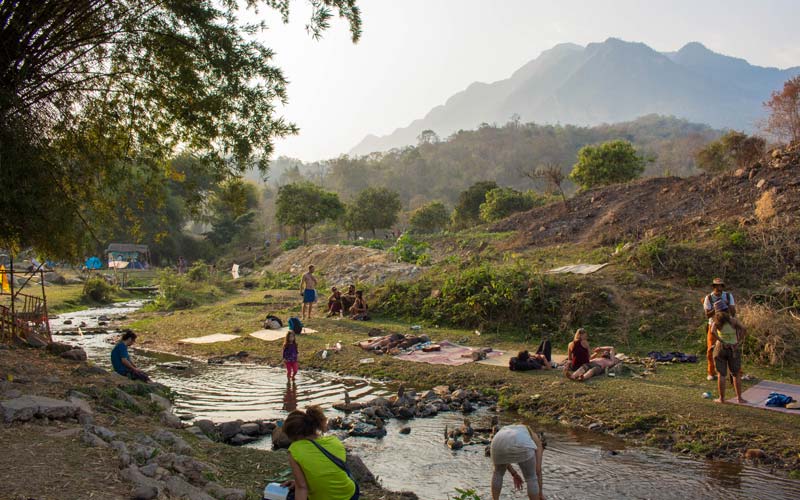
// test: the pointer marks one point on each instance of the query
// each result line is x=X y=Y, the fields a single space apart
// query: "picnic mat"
x=270 y=335
x=209 y=339
x=757 y=395
x=451 y=354
x=578 y=269
x=502 y=359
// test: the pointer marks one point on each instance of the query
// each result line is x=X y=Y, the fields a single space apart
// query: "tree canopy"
x=91 y=89
x=607 y=163
x=429 y=218
x=468 y=209
x=376 y=208
x=502 y=202
x=784 y=107
x=304 y=205
x=732 y=150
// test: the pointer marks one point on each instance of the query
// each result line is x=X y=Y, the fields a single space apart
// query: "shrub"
x=429 y=218
x=407 y=249
x=291 y=243
x=199 y=271
x=175 y=292
x=502 y=202
x=374 y=243
x=607 y=163
x=97 y=289
x=279 y=281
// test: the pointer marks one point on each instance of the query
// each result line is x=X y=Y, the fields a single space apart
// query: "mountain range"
x=606 y=82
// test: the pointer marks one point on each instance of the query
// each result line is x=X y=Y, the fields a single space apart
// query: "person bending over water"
x=517 y=444
x=313 y=458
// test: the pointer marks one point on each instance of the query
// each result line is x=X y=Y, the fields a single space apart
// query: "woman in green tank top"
x=316 y=477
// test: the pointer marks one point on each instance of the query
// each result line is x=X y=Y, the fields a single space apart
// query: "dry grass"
x=765 y=206
x=773 y=336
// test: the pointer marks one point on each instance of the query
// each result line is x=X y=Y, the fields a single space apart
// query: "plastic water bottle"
x=325 y=354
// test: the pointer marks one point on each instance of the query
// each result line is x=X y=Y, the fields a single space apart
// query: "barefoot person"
x=308 y=289
x=718 y=294
x=121 y=359
x=729 y=334
x=517 y=444
x=602 y=358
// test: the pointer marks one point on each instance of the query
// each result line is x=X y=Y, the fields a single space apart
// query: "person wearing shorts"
x=517 y=444
x=729 y=334
x=308 y=289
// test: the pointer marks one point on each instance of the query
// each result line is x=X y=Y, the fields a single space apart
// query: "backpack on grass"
x=295 y=325
x=272 y=322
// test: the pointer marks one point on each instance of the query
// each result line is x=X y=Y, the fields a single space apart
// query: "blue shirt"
x=119 y=353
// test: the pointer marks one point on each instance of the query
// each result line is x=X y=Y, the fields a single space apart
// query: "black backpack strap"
x=339 y=463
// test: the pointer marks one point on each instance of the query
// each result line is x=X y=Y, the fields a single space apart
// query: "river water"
x=577 y=464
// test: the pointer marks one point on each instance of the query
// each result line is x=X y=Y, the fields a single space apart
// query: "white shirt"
x=512 y=444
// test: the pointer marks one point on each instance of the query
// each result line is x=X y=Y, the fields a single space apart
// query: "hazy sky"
x=414 y=54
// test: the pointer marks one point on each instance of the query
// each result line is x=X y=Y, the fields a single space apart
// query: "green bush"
x=199 y=271
x=731 y=237
x=97 y=289
x=407 y=249
x=279 y=281
x=476 y=297
x=177 y=291
x=291 y=243
x=374 y=243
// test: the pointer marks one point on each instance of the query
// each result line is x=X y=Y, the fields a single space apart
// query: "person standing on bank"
x=308 y=289
x=517 y=444
x=121 y=359
x=718 y=294
x=728 y=334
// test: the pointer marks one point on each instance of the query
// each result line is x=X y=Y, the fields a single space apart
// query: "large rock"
x=179 y=488
x=242 y=439
x=207 y=426
x=359 y=470
x=25 y=408
x=144 y=492
x=229 y=429
x=138 y=479
x=35 y=340
x=223 y=493
x=162 y=402
x=170 y=420
x=176 y=442
x=250 y=429
x=76 y=354
x=82 y=404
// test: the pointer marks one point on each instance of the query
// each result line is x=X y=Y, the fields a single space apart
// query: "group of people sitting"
x=351 y=304
x=580 y=364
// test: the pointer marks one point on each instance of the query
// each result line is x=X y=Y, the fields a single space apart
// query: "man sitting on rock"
x=121 y=360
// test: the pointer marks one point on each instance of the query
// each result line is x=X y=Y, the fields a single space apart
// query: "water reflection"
x=727 y=474
x=290 y=397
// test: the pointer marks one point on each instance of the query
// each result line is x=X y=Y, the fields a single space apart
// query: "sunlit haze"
x=415 y=54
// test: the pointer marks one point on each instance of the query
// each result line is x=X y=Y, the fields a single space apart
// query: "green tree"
x=732 y=150
x=430 y=218
x=376 y=208
x=502 y=202
x=90 y=89
x=304 y=204
x=232 y=211
x=607 y=163
x=467 y=211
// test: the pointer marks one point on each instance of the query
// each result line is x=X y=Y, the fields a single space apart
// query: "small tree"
x=732 y=150
x=502 y=202
x=784 y=107
x=304 y=204
x=377 y=208
x=430 y=218
x=552 y=175
x=607 y=163
x=468 y=210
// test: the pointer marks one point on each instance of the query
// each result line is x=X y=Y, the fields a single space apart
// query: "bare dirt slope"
x=672 y=206
x=342 y=265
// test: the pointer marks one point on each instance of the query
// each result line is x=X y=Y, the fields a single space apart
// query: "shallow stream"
x=577 y=465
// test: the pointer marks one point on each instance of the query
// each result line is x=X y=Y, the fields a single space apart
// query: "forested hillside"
x=439 y=169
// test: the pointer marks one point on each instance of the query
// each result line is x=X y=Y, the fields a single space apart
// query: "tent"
x=128 y=256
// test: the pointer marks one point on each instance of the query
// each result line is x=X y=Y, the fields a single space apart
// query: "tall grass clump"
x=198 y=286
x=773 y=337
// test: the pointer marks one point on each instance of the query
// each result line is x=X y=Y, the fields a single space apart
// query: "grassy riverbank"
x=664 y=409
